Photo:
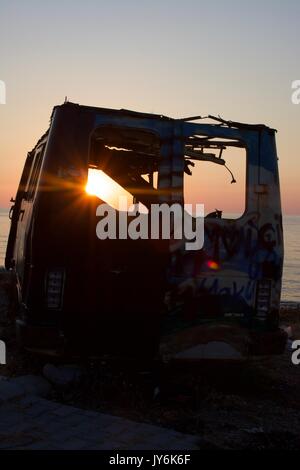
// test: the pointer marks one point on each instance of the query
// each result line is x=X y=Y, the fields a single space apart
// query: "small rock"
x=33 y=385
x=62 y=375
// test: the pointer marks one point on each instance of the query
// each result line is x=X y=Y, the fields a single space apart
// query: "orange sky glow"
x=153 y=57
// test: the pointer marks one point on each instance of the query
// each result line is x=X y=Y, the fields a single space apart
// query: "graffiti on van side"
x=215 y=286
x=250 y=245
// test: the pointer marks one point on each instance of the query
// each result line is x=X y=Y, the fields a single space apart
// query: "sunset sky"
x=232 y=58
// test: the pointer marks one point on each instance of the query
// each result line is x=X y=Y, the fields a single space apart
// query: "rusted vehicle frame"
x=144 y=298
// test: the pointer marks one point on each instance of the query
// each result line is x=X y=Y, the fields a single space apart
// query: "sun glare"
x=101 y=185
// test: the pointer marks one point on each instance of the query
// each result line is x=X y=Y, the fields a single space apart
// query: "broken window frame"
x=220 y=145
x=112 y=146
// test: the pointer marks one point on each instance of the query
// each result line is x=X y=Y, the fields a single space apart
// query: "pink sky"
x=154 y=57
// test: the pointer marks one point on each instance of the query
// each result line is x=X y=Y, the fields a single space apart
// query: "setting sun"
x=101 y=185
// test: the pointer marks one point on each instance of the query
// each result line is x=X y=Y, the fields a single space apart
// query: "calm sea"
x=291 y=275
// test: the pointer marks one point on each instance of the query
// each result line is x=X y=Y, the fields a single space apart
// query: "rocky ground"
x=245 y=405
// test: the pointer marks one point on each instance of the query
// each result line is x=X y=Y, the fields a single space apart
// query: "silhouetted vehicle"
x=140 y=298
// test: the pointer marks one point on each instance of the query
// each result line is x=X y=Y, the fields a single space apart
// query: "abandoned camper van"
x=145 y=297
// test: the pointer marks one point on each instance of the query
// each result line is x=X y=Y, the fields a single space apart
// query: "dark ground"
x=253 y=404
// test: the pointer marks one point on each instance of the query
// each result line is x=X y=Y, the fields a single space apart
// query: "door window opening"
x=124 y=163
x=215 y=175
